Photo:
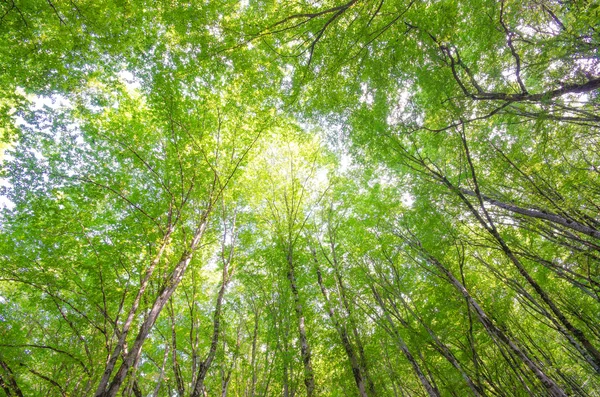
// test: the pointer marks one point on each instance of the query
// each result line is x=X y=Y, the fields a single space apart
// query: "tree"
x=339 y=198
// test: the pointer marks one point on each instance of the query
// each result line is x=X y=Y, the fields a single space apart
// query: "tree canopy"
x=298 y=198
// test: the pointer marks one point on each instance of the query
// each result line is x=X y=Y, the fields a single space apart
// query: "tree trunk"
x=539 y=214
x=160 y=301
x=362 y=363
x=122 y=337
x=342 y=332
x=205 y=365
x=591 y=353
x=551 y=387
x=162 y=372
x=8 y=382
x=444 y=350
x=309 y=378
x=176 y=368
x=429 y=388
x=253 y=352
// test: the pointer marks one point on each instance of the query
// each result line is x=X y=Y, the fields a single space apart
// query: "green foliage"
x=264 y=198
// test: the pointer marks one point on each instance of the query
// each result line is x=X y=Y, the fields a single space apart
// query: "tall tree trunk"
x=342 y=332
x=429 y=388
x=496 y=333
x=8 y=381
x=588 y=350
x=206 y=363
x=286 y=381
x=309 y=377
x=226 y=373
x=160 y=301
x=579 y=340
x=176 y=368
x=364 y=369
x=124 y=332
x=444 y=350
x=253 y=363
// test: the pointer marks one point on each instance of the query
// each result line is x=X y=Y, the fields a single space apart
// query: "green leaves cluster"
x=363 y=198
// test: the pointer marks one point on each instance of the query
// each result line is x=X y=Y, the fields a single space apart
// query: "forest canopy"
x=300 y=198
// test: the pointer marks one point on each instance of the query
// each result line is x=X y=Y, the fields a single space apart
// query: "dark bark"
x=8 y=381
x=225 y=279
x=176 y=368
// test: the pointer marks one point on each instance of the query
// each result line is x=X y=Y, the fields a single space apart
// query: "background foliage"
x=370 y=198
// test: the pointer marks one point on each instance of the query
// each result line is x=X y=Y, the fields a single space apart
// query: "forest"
x=300 y=198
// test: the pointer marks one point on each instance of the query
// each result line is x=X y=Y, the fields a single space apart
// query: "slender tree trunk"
x=551 y=387
x=176 y=368
x=226 y=373
x=253 y=352
x=579 y=340
x=589 y=351
x=444 y=350
x=593 y=354
x=205 y=365
x=122 y=337
x=539 y=214
x=342 y=332
x=589 y=286
x=268 y=367
x=362 y=363
x=391 y=373
x=161 y=375
x=286 y=387
x=160 y=301
x=309 y=377
x=429 y=388
x=8 y=381
x=225 y=384
x=284 y=337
